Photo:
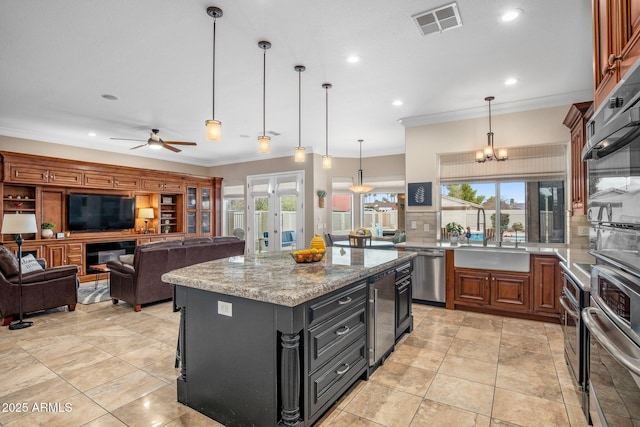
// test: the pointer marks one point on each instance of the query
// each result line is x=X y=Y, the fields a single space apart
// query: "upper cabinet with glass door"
x=199 y=208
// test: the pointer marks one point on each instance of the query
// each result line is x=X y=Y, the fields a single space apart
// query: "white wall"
x=424 y=143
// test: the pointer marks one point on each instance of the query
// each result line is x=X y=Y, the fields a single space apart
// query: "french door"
x=275 y=212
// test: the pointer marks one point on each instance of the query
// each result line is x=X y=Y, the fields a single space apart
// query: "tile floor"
x=105 y=365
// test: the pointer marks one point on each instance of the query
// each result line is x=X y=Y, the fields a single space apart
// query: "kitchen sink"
x=492 y=258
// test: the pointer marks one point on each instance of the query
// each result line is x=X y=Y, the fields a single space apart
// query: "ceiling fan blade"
x=174 y=149
x=139 y=146
x=179 y=143
x=127 y=139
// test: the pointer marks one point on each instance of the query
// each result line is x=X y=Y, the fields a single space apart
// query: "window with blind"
x=233 y=208
x=523 y=198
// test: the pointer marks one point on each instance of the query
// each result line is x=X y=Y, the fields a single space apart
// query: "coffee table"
x=100 y=268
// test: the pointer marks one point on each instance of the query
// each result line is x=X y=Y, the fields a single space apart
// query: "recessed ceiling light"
x=92 y=134
x=353 y=59
x=397 y=103
x=110 y=97
x=511 y=15
x=511 y=81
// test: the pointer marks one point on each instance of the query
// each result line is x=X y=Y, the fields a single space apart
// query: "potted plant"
x=47 y=230
x=454 y=230
x=322 y=194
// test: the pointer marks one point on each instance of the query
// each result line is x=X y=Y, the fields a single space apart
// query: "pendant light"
x=326 y=159
x=299 y=155
x=213 y=126
x=264 y=142
x=360 y=188
x=489 y=152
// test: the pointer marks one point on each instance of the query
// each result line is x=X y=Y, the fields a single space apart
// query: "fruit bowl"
x=307 y=255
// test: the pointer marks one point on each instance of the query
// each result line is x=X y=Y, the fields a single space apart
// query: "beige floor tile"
x=402 y=377
x=106 y=420
x=155 y=408
x=124 y=390
x=488 y=352
x=429 y=328
x=453 y=317
x=25 y=377
x=383 y=405
x=576 y=416
x=528 y=328
x=74 y=411
x=434 y=342
x=350 y=394
x=487 y=336
x=463 y=394
x=500 y=423
x=537 y=344
x=193 y=419
x=483 y=323
x=469 y=369
x=41 y=392
x=431 y=414
x=528 y=411
x=75 y=361
x=147 y=355
x=100 y=373
x=537 y=384
x=422 y=358
x=527 y=360
x=117 y=345
x=164 y=369
x=345 y=419
x=571 y=393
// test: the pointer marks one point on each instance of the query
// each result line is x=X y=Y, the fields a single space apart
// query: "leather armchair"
x=41 y=290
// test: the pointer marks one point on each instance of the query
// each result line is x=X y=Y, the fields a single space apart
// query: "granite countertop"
x=276 y=278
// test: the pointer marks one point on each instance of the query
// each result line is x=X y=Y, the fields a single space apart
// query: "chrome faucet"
x=484 y=225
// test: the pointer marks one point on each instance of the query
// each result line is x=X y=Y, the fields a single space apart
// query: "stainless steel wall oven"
x=613 y=319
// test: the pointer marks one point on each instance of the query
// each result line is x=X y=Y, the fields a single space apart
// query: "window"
x=523 y=199
x=519 y=211
x=341 y=206
x=233 y=210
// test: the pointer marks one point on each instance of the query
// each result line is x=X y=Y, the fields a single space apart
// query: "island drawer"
x=333 y=304
x=331 y=337
x=330 y=382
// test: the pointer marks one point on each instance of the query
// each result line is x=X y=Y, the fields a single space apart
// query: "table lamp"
x=18 y=224
x=146 y=214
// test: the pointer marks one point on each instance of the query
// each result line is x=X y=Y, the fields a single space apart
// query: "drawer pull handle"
x=343 y=370
x=344 y=330
x=347 y=300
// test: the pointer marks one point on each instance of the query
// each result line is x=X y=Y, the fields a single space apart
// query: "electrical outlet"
x=414 y=225
x=425 y=227
x=225 y=308
x=583 y=230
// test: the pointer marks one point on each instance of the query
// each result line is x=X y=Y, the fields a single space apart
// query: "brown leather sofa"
x=140 y=282
x=41 y=290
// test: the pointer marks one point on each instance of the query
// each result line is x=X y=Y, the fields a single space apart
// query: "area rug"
x=88 y=294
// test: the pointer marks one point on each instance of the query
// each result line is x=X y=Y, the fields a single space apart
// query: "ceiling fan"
x=155 y=141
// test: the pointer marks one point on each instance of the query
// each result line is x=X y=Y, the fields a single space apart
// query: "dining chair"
x=359 y=241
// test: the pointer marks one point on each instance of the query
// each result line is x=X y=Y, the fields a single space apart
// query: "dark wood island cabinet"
x=265 y=341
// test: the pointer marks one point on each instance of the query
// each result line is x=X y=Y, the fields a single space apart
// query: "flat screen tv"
x=100 y=212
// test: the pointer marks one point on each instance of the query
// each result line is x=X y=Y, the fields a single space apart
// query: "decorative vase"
x=321 y=202
x=453 y=240
x=317 y=243
x=46 y=233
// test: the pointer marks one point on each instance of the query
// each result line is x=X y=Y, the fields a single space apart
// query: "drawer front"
x=332 y=305
x=329 y=383
x=333 y=336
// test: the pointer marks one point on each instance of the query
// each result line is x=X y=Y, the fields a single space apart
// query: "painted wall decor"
x=419 y=194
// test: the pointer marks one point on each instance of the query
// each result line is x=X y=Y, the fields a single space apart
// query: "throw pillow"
x=126 y=259
x=8 y=262
x=30 y=264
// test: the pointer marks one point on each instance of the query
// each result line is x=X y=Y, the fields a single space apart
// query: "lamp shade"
x=145 y=213
x=214 y=129
x=19 y=223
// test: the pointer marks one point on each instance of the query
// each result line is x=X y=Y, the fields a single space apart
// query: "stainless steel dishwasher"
x=429 y=285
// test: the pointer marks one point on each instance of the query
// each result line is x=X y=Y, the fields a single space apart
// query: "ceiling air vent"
x=438 y=20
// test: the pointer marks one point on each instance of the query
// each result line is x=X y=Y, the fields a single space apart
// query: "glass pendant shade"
x=264 y=144
x=326 y=162
x=489 y=152
x=360 y=188
x=214 y=128
x=299 y=155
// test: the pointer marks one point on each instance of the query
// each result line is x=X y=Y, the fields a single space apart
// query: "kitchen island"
x=265 y=341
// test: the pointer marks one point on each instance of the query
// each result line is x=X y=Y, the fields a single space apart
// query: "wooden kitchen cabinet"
x=163 y=185
x=471 y=287
x=616 y=31
x=547 y=285
x=510 y=291
x=576 y=120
